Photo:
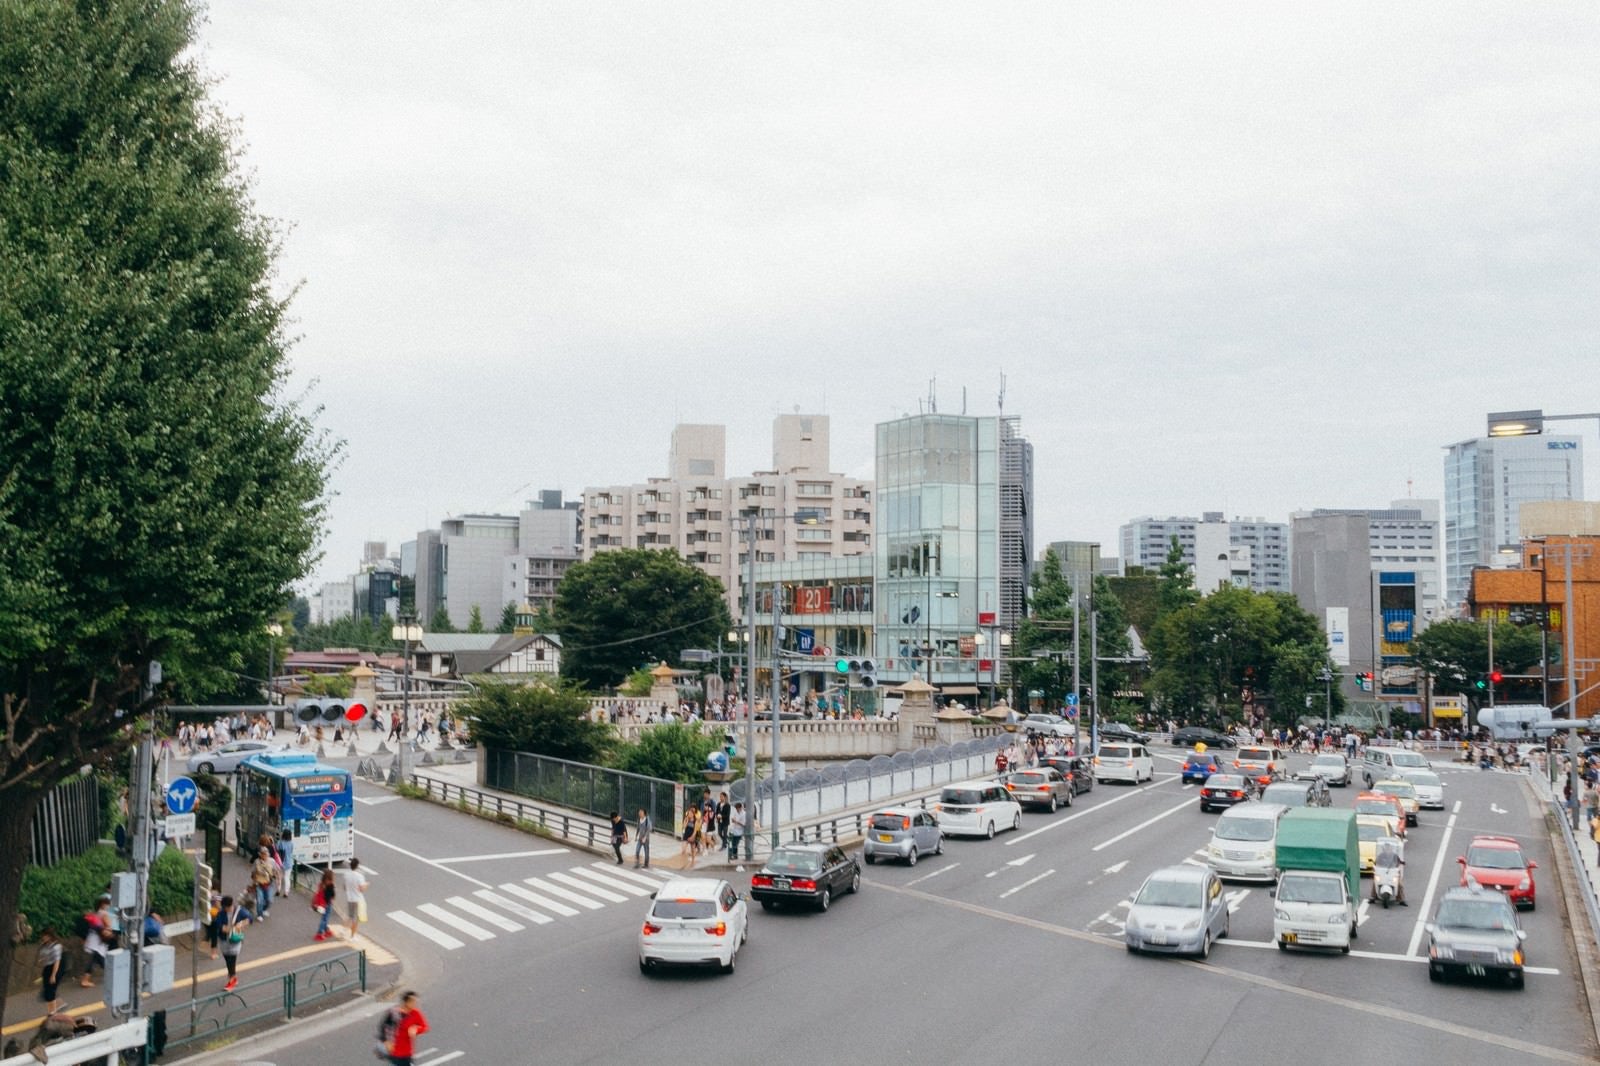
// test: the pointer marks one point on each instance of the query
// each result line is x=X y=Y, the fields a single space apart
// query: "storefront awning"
x=1447 y=712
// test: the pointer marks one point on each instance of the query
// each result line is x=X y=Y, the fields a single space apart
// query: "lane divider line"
x=1057 y=823
x=1185 y=805
x=1433 y=884
x=1025 y=884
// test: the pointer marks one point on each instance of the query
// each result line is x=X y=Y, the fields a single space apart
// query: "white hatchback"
x=1124 y=762
x=694 y=921
x=977 y=808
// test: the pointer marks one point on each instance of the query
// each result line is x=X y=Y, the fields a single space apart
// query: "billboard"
x=1337 y=625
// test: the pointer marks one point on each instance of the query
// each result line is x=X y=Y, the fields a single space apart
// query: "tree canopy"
x=1455 y=654
x=630 y=608
x=158 y=494
x=539 y=718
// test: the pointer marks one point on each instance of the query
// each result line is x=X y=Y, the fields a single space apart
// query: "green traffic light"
x=842 y=665
x=1481 y=683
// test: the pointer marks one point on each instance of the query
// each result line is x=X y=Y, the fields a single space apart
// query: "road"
x=993 y=949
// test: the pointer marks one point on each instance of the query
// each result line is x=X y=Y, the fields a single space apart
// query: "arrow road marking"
x=1433 y=883
x=1236 y=897
x=1497 y=809
x=936 y=873
x=1116 y=869
x=1014 y=862
x=1361 y=912
x=1025 y=884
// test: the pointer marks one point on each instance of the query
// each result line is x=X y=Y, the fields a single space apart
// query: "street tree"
x=1046 y=635
x=158 y=493
x=675 y=751
x=540 y=718
x=629 y=608
x=1177 y=580
x=1455 y=655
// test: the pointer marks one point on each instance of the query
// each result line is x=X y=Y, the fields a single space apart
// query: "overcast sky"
x=1240 y=257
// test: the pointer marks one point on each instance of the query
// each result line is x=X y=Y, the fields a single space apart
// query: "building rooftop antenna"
x=1002 y=392
x=933 y=399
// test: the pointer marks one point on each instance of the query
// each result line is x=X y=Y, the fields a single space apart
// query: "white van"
x=1124 y=762
x=977 y=808
x=1244 y=842
x=1313 y=908
x=1382 y=764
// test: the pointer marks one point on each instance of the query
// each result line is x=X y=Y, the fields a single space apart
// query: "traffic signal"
x=1480 y=684
x=861 y=672
x=329 y=709
x=730 y=745
x=1495 y=677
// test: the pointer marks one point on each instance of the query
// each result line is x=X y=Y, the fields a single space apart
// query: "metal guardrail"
x=1580 y=868
x=269 y=997
x=568 y=824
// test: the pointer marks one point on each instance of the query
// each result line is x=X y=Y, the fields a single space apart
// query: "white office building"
x=1145 y=542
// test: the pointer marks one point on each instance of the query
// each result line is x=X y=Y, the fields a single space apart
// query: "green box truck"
x=1319 y=856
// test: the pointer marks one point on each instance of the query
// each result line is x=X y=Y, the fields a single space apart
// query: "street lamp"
x=274 y=631
x=409 y=632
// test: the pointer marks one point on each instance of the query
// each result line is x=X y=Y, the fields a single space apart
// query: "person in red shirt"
x=411 y=1024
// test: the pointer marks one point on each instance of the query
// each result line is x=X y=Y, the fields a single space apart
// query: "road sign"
x=179 y=825
x=805 y=640
x=181 y=795
x=1072 y=699
x=327 y=810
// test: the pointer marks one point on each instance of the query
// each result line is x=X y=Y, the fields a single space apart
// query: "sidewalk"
x=272 y=948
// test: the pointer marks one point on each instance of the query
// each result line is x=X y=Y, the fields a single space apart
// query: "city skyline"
x=1255 y=261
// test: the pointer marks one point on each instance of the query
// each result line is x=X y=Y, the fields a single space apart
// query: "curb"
x=1577 y=916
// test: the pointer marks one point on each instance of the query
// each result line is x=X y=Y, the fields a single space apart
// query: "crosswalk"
x=515 y=906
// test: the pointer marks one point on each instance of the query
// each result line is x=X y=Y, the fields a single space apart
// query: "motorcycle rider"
x=1389 y=858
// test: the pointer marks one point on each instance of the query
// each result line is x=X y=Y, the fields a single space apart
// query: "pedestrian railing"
x=270 y=997
x=566 y=824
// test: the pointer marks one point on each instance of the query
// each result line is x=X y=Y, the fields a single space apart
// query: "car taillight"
x=1044 y=788
x=1236 y=764
x=720 y=929
x=1068 y=775
x=905 y=823
x=804 y=884
x=761 y=881
x=1010 y=787
x=1238 y=795
x=650 y=929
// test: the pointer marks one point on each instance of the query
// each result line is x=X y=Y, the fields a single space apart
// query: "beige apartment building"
x=800 y=509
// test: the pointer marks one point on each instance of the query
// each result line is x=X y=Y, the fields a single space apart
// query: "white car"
x=1332 y=768
x=1430 y=789
x=1051 y=724
x=1313 y=908
x=694 y=921
x=226 y=759
x=1124 y=762
x=977 y=808
x=1244 y=842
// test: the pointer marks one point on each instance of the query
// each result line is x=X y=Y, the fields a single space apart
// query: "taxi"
x=1383 y=805
x=1402 y=790
x=1262 y=762
x=1371 y=829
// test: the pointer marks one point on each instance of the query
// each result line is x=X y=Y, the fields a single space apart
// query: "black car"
x=1190 y=735
x=1312 y=793
x=806 y=873
x=1118 y=731
x=1224 y=790
x=1077 y=769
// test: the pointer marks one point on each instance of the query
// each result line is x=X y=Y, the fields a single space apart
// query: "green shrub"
x=172 y=885
x=674 y=751
x=61 y=894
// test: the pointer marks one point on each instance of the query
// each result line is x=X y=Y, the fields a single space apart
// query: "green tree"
x=539 y=718
x=348 y=632
x=475 y=620
x=623 y=609
x=1177 y=580
x=338 y=685
x=1455 y=655
x=672 y=750
x=440 y=622
x=1046 y=631
x=637 y=684
x=508 y=619
x=1111 y=643
x=158 y=494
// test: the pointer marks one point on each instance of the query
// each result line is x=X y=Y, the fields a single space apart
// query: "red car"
x=1498 y=862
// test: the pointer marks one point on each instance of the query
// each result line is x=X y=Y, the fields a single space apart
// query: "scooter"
x=1388 y=883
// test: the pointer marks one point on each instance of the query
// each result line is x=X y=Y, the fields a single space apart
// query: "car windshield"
x=684 y=908
x=793 y=862
x=1257 y=829
x=1254 y=755
x=1368 y=831
x=1397 y=788
x=966 y=796
x=1333 y=761
x=1197 y=757
x=1160 y=892
x=1029 y=777
x=1426 y=778
x=1407 y=758
x=1116 y=751
x=1309 y=890
x=1383 y=807
x=1495 y=858
x=1475 y=914
x=1288 y=795
x=1216 y=781
x=889 y=821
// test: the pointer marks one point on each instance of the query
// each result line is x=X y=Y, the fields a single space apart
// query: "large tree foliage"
x=631 y=608
x=675 y=751
x=1207 y=653
x=539 y=718
x=351 y=631
x=158 y=495
x=1046 y=635
x=1455 y=655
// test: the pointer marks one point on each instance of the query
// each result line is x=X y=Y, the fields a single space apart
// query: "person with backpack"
x=399 y=1029
x=235 y=919
x=263 y=874
x=322 y=903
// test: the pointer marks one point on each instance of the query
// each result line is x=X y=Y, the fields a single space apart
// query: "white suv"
x=977 y=808
x=693 y=921
x=1124 y=762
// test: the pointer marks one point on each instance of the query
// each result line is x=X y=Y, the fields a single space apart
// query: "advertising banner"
x=1337 y=624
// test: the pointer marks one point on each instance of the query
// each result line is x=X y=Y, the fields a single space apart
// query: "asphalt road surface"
x=524 y=952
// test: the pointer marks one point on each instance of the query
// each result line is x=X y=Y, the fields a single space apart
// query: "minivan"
x=1244 y=842
x=1380 y=763
x=977 y=808
x=1124 y=762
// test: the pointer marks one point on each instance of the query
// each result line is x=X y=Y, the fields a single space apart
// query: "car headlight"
x=1338 y=919
x=1507 y=955
x=1192 y=926
x=1214 y=851
x=1441 y=951
x=1525 y=884
x=1281 y=915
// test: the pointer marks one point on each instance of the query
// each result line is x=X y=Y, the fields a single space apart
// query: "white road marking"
x=1116 y=868
x=557 y=890
x=1361 y=912
x=515 y=908
x=1142 y=825
x=534 y=897
x=461 y=903
x=1237 y=897
x=1059 y=822
x=1497 y=809
x=1384 y=956
x=419 y=858
x=631 y=875
x=505 y=855
x=446 y=1058
x=1128 y=903
x=417 y=925
x=936 y=873
x=1457 y=808
x=1193 y=862
x=1019 y=862
x=610 y=882
x=476 y=932
x=1025 y=884
x=373 y=801
x=592 y=889
x=1433 y=883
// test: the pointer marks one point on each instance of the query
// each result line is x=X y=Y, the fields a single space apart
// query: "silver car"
x=1474 y=933
x=904 y=833
x=1051 y=724
x=1332 y=768
x=1178 y=909
x=226 y=759
x=1044 y=787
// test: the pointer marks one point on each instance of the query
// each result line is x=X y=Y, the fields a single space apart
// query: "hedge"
x=61 y=894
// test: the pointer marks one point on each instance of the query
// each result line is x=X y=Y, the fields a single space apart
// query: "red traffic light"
x=355 y=712
x=1496 y=676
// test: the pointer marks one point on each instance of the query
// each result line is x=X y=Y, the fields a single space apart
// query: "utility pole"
x=1094 y=675
x=750 y=690
x=1490 y=672
x=777 y=765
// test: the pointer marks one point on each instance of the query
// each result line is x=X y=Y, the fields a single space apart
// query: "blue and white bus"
x=315 y=802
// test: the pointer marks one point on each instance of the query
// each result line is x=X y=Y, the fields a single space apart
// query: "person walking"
x=263 y=872
x=643 y=827
x=395 y=732
x=408 y=1025
x=1594 y=834
x=619 y=835
x=736 y=827
x=50 y=953
x=691 y=833
x=322 y=903
x=353 y=886
x=284 y=850
x=235 y=920
x=724 y=814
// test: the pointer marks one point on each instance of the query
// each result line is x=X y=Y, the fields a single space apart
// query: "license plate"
x=780 y=883
x=1158 y=938
x=1474 y=969
x=1290 y=938
x=886 y=838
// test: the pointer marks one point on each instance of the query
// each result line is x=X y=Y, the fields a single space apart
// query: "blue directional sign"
x=1072 y=699
x=181 y=795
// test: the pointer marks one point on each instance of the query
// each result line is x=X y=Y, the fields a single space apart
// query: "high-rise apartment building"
x=701 y=513
x=1486 y=482
x=1145 y=542
x=954 y=549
